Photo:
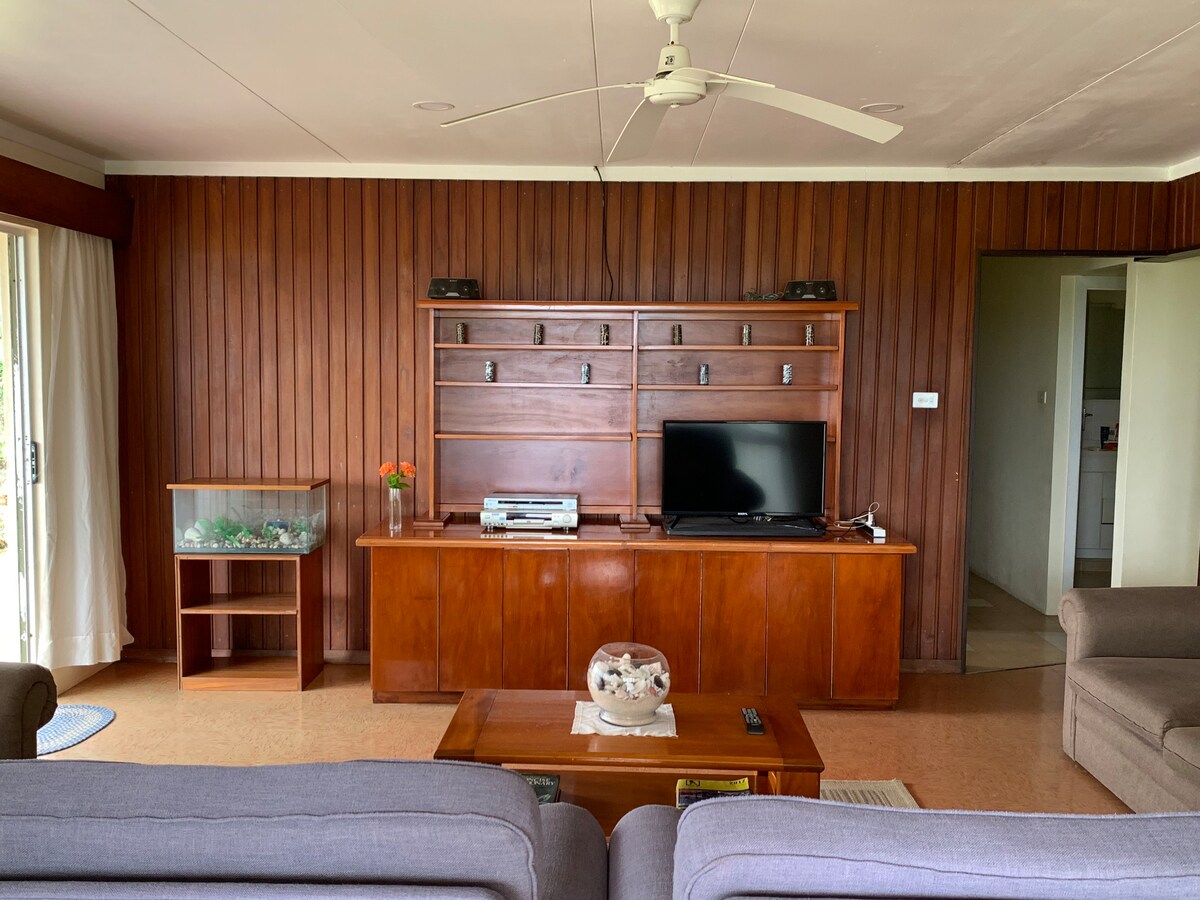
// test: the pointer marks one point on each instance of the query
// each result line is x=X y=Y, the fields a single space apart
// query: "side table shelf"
x=196 y=604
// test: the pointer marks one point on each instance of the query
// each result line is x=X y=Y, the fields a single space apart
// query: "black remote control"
x=754 y=724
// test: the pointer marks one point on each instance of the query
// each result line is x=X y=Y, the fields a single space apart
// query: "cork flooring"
x=985 y=741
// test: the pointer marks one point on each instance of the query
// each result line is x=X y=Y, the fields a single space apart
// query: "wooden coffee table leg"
x=794 y=784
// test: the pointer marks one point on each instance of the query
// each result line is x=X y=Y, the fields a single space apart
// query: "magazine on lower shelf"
x=693 y=790
x=544 y=786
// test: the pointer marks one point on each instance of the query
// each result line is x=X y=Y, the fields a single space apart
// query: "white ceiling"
x=997 y=84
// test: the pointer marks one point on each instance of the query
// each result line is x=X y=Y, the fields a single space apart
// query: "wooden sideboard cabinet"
x=817 y=620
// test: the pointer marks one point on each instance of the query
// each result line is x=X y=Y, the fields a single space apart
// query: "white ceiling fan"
x=678 y=83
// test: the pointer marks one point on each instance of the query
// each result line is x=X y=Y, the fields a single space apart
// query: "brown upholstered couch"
x=1132 y=708
x=28 y=699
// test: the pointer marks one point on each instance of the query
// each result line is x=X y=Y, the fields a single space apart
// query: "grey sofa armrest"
x=28 y=699
x=641 y=854
x=1132 y=621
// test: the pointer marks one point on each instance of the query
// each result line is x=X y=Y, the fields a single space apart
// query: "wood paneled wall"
x=1185 y=213
x=266 y=328
x=32 y=193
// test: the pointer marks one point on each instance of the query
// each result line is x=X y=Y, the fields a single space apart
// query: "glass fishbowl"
x=249 y=516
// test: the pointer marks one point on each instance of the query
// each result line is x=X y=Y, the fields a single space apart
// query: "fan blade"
x=500 y=109
x=694 y=74
x=638 y=134
x=830 y=113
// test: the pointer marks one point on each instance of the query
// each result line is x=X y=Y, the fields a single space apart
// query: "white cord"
x=867 y=518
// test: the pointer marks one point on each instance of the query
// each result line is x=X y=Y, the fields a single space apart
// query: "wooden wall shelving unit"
x=538 y=428
x=196 y=606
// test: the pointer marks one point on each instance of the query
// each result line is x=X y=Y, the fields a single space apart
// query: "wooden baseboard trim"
x=932 y=666
x=416 y=696
x=167 y=655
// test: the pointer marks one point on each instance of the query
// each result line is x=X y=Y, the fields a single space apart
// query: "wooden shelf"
x=741 y=348
x=197 y=607
x=256 y=673
x=573 y=385
x=244 y=604
x=603 y=348
x=559 y=441
x=594 y=436
x=737 y=387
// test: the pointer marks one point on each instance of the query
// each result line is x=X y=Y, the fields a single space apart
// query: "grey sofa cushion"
x=1152 y=695
x=794 y=847
x=418 y=823
x=640 y=854
x=1181 y=748
x=574 y=855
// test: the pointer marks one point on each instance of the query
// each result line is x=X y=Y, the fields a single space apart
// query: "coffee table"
x=530 y=731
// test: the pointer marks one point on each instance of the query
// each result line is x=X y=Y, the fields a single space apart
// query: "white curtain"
x=79 y=615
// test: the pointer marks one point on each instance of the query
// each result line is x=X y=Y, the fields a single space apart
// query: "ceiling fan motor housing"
x=672 y=57
x=668 y=91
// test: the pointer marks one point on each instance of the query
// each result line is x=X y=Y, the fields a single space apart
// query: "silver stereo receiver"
x=541 y=502
x=528 y=518
x=543 y=511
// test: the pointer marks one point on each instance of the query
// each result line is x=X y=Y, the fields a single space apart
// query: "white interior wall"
x=1012 y=431
x=1157 y=534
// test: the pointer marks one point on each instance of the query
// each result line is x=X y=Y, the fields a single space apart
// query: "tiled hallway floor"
x=1004 y=633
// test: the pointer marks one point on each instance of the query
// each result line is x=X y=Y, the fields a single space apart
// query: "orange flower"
x=408 y=470
x=387 y=469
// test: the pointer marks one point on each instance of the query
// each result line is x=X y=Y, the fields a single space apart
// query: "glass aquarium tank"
x=249 y=515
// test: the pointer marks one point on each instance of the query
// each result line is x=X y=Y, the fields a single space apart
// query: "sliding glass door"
x=17 y=462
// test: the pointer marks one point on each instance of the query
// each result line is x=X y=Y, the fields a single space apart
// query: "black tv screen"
x=743 y=468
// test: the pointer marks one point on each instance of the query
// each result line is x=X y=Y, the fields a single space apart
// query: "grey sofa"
x=413 y=830
x=791 y=847
x=1131 y=713
x=28 y=699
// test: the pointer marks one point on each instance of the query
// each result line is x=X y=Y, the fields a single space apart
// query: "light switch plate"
x=925 y=400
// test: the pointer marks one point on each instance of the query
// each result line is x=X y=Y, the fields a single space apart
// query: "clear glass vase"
x=398 y=509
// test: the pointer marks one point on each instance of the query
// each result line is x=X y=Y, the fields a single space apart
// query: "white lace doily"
x=588 y=721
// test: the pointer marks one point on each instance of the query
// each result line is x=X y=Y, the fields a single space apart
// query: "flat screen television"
x=743 y=469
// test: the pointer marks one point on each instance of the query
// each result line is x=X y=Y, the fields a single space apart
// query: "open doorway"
x=1100 y=435
x=1025 y=462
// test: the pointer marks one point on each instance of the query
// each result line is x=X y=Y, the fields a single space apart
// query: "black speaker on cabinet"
x=453 y=289
x=810 y=290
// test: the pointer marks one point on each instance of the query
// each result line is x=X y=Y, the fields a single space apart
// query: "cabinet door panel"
x=733 y=610
x=535 y=619
x=800 y=625
x=666 y=611
x=600 y=607
x=469 y=625
x=866 y=627
x=404 y=585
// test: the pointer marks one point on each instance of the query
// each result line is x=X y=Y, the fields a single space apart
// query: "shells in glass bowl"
x=629 y=682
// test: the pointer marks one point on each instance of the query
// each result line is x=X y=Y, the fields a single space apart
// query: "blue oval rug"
x=71 y=724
